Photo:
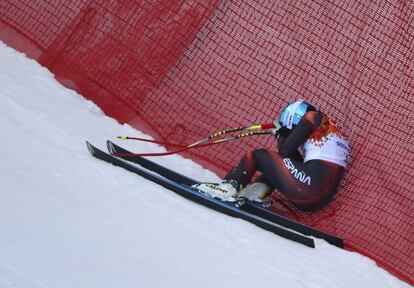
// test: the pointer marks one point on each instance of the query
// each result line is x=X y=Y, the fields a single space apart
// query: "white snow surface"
x=70 y=220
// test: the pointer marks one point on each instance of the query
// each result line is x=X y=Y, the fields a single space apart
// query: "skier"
x=309 y=181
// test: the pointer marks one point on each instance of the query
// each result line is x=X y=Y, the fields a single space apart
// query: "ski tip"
x=110 y=147
x=90 y=147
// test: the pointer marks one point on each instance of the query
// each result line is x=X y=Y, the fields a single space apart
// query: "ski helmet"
x=293 y=113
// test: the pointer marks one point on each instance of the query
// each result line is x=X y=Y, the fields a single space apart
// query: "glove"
x=277 y=124
x=277 y=128
x=283 y=132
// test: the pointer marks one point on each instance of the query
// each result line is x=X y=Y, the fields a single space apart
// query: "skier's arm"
x=288 y=144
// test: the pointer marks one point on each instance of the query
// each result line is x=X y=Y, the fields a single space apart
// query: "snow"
x=69 y=220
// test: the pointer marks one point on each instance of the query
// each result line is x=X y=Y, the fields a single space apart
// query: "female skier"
x=309 y=181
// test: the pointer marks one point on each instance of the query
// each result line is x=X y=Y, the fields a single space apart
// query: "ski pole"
x=219 y=141
x=123 y=137
x=207 y=141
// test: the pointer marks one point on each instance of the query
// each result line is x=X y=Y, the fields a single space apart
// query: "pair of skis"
x=248 y=210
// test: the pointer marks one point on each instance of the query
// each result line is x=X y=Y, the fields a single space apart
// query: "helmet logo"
x=289 y=122
x=292 y=112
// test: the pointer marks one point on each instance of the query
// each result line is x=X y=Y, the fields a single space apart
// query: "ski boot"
x=257 y=192
x=225 y=191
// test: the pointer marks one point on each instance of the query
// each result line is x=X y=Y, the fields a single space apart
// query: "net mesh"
x=180 y=70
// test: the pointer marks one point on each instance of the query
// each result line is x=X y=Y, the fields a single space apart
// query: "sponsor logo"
x=300 y=175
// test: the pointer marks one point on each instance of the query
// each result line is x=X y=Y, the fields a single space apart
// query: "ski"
x=248 y=206
x=196 y=196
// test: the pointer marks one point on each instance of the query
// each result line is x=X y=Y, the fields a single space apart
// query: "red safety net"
x=182 y=69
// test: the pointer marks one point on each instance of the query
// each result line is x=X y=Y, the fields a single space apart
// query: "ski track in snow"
x=69 y=220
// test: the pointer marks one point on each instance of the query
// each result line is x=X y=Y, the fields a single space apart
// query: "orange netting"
x=183 y=69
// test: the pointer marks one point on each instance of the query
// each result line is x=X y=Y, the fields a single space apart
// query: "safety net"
x=182 y=69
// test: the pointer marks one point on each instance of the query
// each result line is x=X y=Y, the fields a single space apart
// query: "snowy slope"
x=68 y=220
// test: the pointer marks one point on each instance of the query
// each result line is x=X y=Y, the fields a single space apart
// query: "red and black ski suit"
x=310 y=185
